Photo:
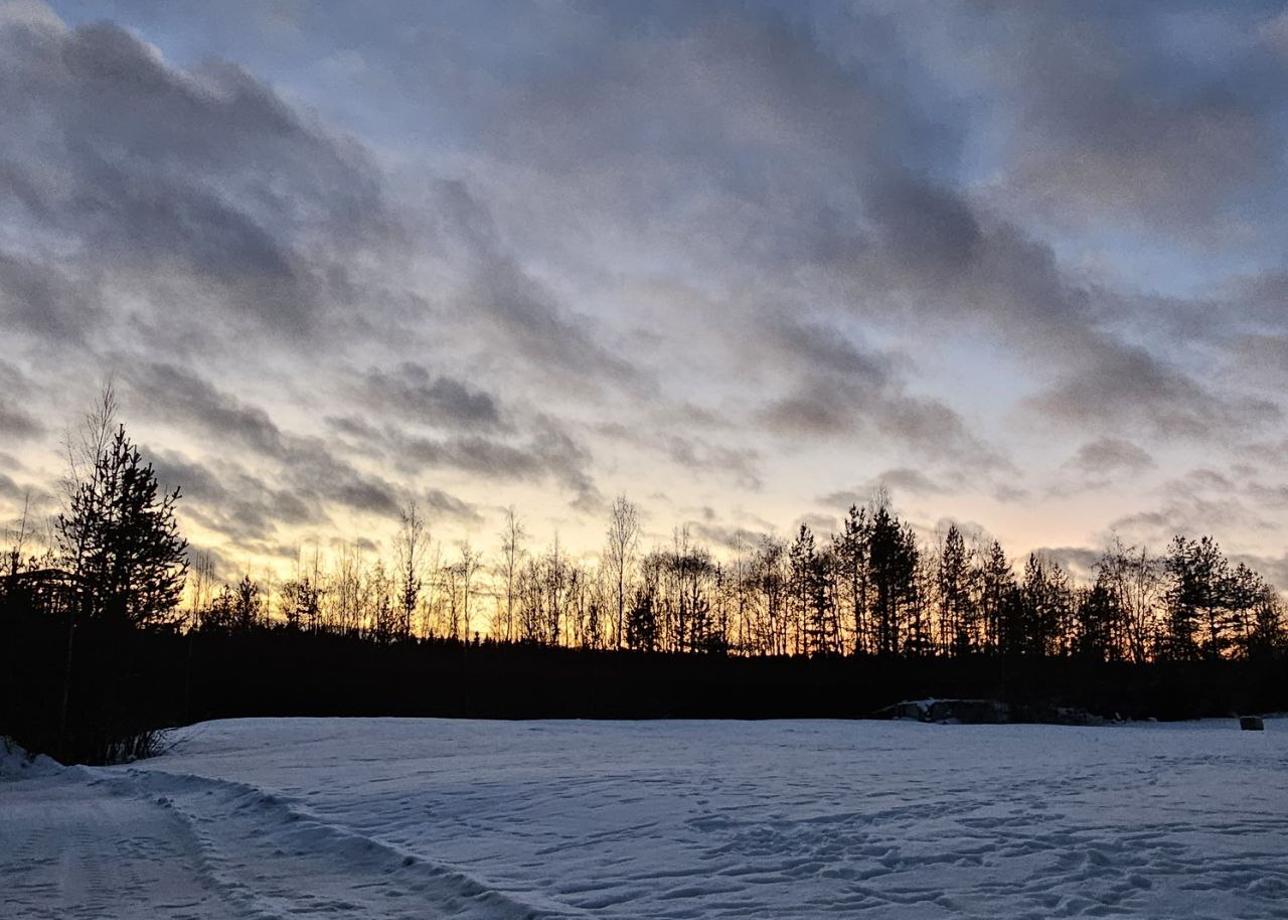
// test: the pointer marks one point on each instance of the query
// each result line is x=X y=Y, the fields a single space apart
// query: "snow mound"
x=16 y=763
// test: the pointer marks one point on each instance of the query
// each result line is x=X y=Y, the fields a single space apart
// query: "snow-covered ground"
x=426 y=818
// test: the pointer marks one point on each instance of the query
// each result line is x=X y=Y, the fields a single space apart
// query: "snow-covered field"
x=429 y=818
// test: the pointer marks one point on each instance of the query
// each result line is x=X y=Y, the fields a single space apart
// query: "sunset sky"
x=1024 y=264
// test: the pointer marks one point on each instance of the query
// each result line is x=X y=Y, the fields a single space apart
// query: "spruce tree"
x=893 y=559
x=120 y=540
x=850 y=558
x=958 y=615
x=246 y=605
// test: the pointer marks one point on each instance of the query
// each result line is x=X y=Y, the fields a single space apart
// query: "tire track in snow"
x=68 y=849
x=270 y=858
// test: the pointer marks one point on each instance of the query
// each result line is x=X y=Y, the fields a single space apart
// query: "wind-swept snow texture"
x=430 y=818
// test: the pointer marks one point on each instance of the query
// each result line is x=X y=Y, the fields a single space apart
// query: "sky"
x=1022 y=265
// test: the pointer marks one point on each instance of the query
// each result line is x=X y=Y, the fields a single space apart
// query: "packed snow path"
x=424 y=818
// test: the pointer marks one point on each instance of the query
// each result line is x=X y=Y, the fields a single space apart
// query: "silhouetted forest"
x=111 y=631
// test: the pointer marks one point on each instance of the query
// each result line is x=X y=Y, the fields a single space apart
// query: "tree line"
x=873 y=588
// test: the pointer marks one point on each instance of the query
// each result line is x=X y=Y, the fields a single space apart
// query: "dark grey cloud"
x=1262 y=356
x=10 y=489
x=912 y=481
x=215 y=208
x=310 y=467
x=223 y=497
x=1079 y=561
x=675 y=97
x=15 y=384
x=821 y=348
x=1274 y=568
x=1269 y=495
x=1241 y=317
x=995 y=279
x=942 y=262
x=16 y=423
x=1202 y=501
x=697 y=454
x=1263 y=294
x=692 y=453
x=820 y=524
x=199 y=189
x=815 y=408
x=871 y=206
x=569 y=461
x=546 y=451
x=358 y=429
x=306 y=464
x=1273 y=453
x=1205 y=478
x=844 y=498
x=1128 y=386
x=446 y=505
x=1158 y=113
x=843 y=389
x=484 y=456
x=510 y=302
x=735 y=539
x=895 y=482
x=411 y=391
x=1109 y=456
x=182 y=397
x=38 y=297
x=927 y=229
x=1008 y=492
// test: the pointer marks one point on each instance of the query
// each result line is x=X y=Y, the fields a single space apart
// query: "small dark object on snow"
x=1252 y=724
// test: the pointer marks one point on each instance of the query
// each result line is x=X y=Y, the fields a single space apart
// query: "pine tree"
x=120 y=540
x=220 y=616
x=1268 y=637
x=772 y=588
x=1036 y=595
x=811 y=587
x=246 y=605
x=386 y=619
x=850 y=554
x=300 y=604
x=958 y=614
x=641 y=618
x=1097 y=614
x=892 y=564
x=919 y=639
x=800 y=579
x=1197 y=600
x=997 y=611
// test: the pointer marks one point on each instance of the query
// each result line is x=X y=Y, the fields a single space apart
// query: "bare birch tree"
x=619 y=556
x=467 y=568
x=512 y=552
x=412 y=545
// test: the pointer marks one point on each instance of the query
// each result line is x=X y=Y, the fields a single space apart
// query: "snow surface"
x=434 y=818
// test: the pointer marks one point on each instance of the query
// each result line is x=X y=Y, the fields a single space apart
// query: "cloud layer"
x=737 y=255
